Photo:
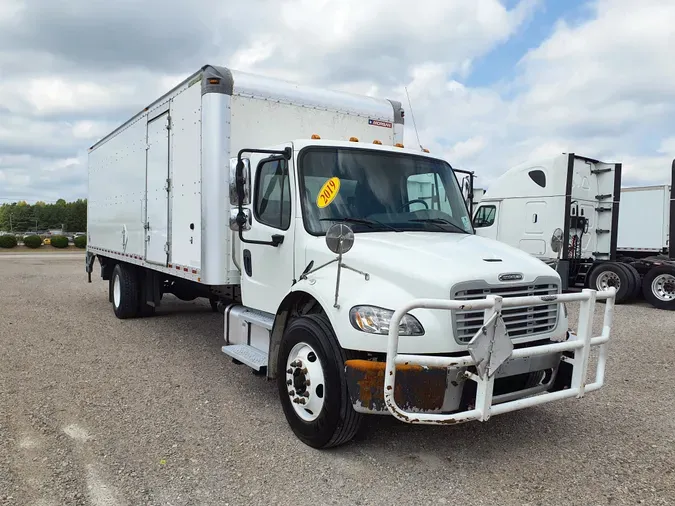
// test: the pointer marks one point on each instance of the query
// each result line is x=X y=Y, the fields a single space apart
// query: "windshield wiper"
x=439 y=221
x=370 y=223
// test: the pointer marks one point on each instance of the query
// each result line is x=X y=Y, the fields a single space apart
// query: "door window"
x=272 y=204
x=485 y=216
x=426 y=191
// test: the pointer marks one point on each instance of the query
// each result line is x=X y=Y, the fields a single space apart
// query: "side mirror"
x=339 y=238
x=240 y=173
x=557 y=240
x=234 y=224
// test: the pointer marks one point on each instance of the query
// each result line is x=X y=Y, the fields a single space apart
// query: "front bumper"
x=492 y=378
x=445 y=390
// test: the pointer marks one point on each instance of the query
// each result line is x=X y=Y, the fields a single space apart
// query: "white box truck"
x=570 y=211
x=345 y=265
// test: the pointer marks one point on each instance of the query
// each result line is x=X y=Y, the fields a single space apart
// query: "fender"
x=301 y=290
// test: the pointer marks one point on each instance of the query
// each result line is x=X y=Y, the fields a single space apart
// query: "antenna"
x=413 y=118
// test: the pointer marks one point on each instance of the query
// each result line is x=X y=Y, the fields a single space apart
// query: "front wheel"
x=312 y=384
x=658 y=287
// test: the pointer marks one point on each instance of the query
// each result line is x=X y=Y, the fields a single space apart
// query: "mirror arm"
x=277 y=239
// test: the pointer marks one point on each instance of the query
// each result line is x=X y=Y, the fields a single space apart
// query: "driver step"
x=260 y=318
x=246 y=354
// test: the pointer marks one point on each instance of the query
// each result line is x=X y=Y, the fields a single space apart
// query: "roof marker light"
x=377 y=142
x=425 y=150
x=315 y=136
x=353 y=139
x=398 y=145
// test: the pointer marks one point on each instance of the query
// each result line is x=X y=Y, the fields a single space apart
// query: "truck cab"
x=399 y=219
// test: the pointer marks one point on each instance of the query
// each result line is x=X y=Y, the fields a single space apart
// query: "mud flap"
x=89 y=264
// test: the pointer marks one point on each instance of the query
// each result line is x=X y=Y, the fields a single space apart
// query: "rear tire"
x=658 y=287
x=610 y=274
x=124 y=292
x=333 y=420
x=637 y=287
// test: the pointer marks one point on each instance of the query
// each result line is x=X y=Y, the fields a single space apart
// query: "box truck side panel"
x=115 y=212
x=186 y=179
x=642 y=219
x=131 y=216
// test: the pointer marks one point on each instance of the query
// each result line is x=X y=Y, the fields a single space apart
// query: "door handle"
x=247 y=263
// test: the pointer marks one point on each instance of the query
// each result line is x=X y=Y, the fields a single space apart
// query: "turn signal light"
x=315 y=136
x=353 y=139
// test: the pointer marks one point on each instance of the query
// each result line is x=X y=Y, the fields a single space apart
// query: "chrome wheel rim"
x=607 y=280
x=305 y=382
x=663 y=287
x=117 y=291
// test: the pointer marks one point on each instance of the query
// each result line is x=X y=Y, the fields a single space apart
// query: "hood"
x=427 y=259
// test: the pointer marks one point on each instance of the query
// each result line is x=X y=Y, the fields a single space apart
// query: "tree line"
x=23 y=217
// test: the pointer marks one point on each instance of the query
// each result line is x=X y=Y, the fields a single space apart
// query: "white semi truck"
x=610 y=236
x=345 y=265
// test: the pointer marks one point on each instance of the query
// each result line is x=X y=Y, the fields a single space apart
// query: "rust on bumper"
x=416 y=388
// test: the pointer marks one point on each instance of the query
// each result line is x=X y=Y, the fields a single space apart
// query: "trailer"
x=571 y=212
x=344 y=264
x=644 y=221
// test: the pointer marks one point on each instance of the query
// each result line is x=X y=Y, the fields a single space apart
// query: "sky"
x=492 y=83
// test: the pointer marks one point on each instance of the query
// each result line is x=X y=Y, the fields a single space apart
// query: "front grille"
x=521 y=321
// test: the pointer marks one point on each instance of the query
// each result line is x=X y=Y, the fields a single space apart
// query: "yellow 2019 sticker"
x=328 y=192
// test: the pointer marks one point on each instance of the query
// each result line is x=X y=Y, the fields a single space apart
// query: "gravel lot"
x=98 y=411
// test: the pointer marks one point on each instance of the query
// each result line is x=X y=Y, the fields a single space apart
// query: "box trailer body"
x=569 y=211
x=174 y=215
x=644 y=220
x=344 y=264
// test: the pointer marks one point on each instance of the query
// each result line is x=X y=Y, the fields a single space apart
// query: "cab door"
x=267 y=271
x=486 y=220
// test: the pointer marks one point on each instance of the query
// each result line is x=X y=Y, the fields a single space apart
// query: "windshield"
x=379 y=191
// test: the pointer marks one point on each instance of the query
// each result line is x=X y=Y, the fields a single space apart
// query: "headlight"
x=375 y=320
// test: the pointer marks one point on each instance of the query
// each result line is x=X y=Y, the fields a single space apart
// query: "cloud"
x=71 y=71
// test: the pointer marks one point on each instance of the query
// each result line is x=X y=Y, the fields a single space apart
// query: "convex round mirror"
x=557 y=240
x=339 y=238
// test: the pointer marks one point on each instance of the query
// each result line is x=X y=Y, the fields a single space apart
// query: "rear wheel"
x=124 y=291
x=637 y=286
x=312 y=384
x=658 y=287
x=611 y=274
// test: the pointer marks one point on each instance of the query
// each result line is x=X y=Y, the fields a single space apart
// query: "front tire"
x=322 y=415
x=124 y=292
